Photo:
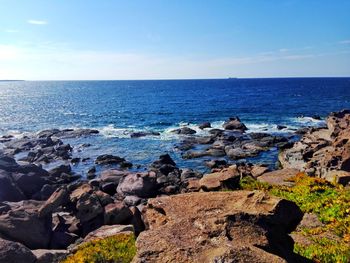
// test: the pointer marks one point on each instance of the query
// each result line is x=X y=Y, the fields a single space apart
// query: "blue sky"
x=155 y=39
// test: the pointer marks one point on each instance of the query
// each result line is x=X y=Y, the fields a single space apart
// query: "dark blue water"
x=117 y=108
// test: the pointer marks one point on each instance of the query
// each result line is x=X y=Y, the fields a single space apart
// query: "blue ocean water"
x=117 y=108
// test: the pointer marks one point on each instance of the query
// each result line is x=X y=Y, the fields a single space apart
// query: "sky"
x=179 y=39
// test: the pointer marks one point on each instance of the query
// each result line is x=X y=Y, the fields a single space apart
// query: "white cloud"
x=37 y=22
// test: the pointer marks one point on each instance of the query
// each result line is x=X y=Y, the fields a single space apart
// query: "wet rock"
x=67 y=133
x=234 y=123
x=109 y=159
x=14 y=252
x=23 y=224
x=143 y=134
x=238 y=226
x=8 y=164
x=281 y=127
x=139 y=184
x=184 y=131
x=204 y=125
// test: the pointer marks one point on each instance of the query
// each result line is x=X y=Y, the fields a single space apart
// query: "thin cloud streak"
x=37 y=22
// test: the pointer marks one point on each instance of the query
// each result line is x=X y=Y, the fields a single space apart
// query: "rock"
x=107 y=231
x=338 y=176
x=57 y=171
x=132 y=200
x=112 y=176
x=281 y=127
x=190 y=173
x=61 y=240
x=322 y=150
x=226 y=178
x=258 y=170
x=279 y=177
x=8 y=189
x=238 y=226
x=234 y=123
x=143 y=134
x=163 y=159
x=67 y=133
x=14 y=252
x=88 y=207
x=58 y=198
x=139 y=184
x=109 y=159
x=104 y=198
x=49 y=255
x=109 y=188
x=29 y=184
x=204 y=125
x=116 y=213
x=216 y=163
x=83 y=189
x=8 y=164
x=22 y=223
x=184 y=131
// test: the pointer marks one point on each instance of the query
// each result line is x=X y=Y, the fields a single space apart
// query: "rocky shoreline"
x=177 y=214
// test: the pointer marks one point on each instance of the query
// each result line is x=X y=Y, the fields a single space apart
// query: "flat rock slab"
x=238 y=226
x=279 y=177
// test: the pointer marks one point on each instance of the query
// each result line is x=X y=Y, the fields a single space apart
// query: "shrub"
x=115 y=249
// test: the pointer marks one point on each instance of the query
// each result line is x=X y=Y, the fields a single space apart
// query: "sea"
x=119 y=108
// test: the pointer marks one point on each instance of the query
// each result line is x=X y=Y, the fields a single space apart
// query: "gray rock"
x=14 y=252
x=140 y=184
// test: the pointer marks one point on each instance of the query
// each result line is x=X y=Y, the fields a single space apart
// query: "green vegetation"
x=331 y=204
x=116 y=249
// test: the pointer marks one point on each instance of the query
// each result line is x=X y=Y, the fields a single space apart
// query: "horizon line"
x=169 y=79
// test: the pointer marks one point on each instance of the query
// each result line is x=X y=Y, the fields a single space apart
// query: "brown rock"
x=238 y=226
x=258 y=170
x=21 y=222
x=279 y=177
x=337 y=176
x=226 y=178
x=58 y=198
x=116 y=213
x=49 y=255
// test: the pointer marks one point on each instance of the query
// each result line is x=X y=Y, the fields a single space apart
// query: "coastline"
x=66 y=208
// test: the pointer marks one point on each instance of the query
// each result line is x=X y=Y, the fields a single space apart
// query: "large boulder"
x=239 y=226
x=49 y=255
x=21 y=222
x=14 y=252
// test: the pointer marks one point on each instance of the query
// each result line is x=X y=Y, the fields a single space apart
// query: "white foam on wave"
x=308 y=121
